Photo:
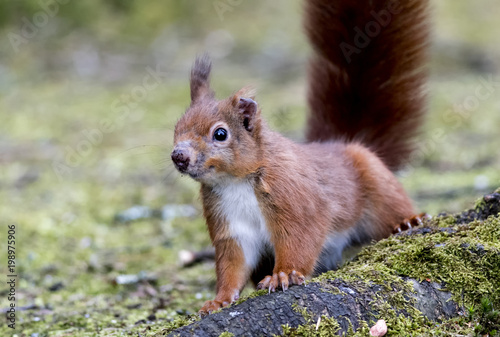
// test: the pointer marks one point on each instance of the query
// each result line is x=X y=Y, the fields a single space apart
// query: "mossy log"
x=413 y=281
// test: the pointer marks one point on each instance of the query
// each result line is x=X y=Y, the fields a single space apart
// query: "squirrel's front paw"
x=217 y=303
x=211 y=306
x=281 y=280
x=416 y=220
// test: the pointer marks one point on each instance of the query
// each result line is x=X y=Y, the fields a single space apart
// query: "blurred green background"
x=89 y=94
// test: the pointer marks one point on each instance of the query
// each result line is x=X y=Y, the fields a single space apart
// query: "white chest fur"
x=247 y=225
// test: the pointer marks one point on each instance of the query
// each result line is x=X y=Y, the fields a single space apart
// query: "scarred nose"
x=180 y=158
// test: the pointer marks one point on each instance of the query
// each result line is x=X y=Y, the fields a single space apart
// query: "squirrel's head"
x=217 y=140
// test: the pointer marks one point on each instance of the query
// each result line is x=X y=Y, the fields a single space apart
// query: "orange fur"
x=278 y=211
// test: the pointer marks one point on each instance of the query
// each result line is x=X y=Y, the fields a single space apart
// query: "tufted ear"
x=249 y=110
x=200 y=83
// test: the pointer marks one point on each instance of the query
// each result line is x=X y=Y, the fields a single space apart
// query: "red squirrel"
x=278 y=211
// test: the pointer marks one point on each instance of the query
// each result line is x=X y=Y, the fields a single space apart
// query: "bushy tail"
x=366 y=78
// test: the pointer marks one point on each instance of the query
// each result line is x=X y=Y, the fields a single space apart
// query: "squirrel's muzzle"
x=181 y=159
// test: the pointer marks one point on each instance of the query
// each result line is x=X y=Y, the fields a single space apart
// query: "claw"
x=416 y=220
x=265 y=283
x=281 y=280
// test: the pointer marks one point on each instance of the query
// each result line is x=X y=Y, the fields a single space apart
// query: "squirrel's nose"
x=180 y=159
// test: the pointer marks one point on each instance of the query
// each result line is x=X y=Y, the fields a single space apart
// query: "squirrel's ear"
x=200 y=83
x=248 y=109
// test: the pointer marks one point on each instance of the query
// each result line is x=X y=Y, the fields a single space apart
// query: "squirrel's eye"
x=220 y=134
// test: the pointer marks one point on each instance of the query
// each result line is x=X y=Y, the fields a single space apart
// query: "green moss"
x=176 y=323
x=467 y=262
x=388 y=303
x=334 y=290
x=479 y=204
x=486 y=317
x=226 y=334
x=444 y=221
x=323 y=326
